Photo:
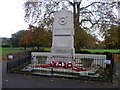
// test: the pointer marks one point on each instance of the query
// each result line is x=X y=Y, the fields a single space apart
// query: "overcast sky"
x=11 y=17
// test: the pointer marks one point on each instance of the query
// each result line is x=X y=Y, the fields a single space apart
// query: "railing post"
x=112 y=65
x=52 y=71
x=110 y=57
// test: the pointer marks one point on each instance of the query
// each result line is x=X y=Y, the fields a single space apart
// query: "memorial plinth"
x=63 y=34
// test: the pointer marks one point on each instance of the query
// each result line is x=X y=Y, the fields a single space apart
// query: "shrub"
x=83 y=51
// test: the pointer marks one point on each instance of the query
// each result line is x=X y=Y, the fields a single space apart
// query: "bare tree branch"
x=70 y=2
x=92 y=4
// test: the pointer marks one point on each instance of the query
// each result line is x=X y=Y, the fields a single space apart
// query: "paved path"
x=0 y=75
x=29 y=81
x=117 y=73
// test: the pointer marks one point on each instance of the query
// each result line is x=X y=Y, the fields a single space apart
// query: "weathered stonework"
x=63 y=34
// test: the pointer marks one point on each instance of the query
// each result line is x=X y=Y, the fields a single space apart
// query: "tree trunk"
x=76 y=10
x=25 y=47
x=74 y=13
x=78 y=14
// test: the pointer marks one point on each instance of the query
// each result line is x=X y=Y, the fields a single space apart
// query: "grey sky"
x=11 y=17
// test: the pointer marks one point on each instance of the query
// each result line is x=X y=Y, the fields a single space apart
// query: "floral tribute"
x=64 y=65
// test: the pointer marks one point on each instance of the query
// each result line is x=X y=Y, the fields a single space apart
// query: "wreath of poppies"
x=61 y=64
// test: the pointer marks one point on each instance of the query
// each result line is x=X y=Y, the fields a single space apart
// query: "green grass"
x=102 y=50
x=6 y=51
x=94 y=50
x=47 y=49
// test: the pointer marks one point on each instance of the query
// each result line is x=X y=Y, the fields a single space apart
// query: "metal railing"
x=19 y=60
x=82 y=66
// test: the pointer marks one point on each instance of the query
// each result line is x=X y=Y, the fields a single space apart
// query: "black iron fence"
x=20 y=60
x=81 y=66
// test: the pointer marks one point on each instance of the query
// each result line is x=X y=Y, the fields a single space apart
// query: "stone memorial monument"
x=62 y=56
x=63 y=34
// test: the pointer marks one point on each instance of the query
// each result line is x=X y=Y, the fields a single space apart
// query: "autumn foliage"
x=36 y=37
x=112 y=38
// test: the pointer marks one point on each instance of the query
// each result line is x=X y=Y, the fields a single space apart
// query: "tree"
x=42 y=37
x=27 y=39
x=112 y=37
x=36 y=37
x=93 y=16
x=92 y=12
x=118 y=28
x=16 y=38
x=84 y=40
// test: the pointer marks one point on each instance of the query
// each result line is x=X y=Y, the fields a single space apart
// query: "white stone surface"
x=40 y=54
x=98 y=59
x=28 y=69
x=63 y=42
x=67 y=15
x=63 y=33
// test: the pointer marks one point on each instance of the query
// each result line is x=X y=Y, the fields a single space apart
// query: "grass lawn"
x=16 y=50
x=95 y=50
x=102 y=50
x=47 y=49
x=6 y=51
